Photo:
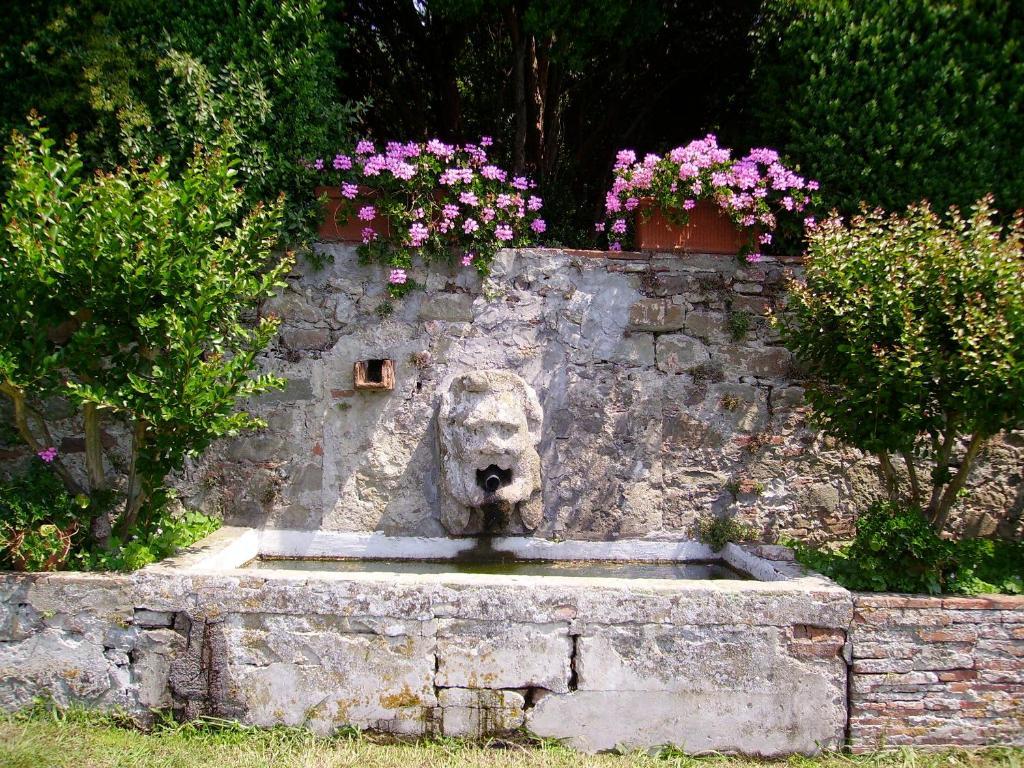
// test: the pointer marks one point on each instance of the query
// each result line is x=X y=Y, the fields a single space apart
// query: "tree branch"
x=952 y=491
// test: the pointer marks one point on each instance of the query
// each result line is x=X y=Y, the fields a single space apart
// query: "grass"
x=44 y=739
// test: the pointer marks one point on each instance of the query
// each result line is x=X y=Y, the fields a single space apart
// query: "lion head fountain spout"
x=488 y=429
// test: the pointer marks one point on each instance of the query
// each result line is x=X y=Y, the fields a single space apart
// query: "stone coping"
x=226 y=552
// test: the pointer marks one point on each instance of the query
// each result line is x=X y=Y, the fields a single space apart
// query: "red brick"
x=958 y=674
x=966 y=603
x=957 y=635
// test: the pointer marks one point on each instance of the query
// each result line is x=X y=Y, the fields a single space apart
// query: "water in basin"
x=616 y=569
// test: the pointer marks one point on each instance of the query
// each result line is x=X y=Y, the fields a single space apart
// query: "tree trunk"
x=949 y=496
x=136 y=496
x=21 y=413
x=519 y=51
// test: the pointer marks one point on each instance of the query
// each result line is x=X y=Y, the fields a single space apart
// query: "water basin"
x=615 y=569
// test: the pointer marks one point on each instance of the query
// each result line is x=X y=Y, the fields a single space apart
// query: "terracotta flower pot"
x=352 y=230
x=709 y=230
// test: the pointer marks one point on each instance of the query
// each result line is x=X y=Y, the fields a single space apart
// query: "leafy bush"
x=142 y=79
x=435 y=201
x=38 y=519
x=896 y=550
x=126 y=293
x=894 y=102
x=168 y=535
x=911 y=329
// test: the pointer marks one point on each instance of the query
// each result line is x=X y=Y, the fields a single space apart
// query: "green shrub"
x=38 y=519
x=896 y=550
x=127 y=294
x=894 y=102
x=911 y=330
x=141 y=79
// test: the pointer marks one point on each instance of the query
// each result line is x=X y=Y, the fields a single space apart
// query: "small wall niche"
x=374 y=374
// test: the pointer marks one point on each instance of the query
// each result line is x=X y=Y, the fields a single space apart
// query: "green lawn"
x=82 y=740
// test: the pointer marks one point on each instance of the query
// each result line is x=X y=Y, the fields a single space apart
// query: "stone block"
x=477 y=713
x=635 y=350
x=655 y=315
x=306 y=338
x=474 y=654
x=708 y=326
x=677 y=353
x=447 y=307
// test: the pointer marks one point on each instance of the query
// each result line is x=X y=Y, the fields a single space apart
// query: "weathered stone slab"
x=498 y=655
x=477 y=713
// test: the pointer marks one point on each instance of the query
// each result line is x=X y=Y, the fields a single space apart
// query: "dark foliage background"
x=885 y=102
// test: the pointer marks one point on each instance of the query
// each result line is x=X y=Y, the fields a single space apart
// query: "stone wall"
x=931 y=671
x=665 y=393
x=665 y=396
x=702 y=665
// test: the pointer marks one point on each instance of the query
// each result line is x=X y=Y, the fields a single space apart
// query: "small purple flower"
x=503 y=232
x=492 y=172
x=616 y=246
x=349 y=190
x=520 y=182
x=689 y=205
x=417 y=235
x=48 y=454
x=397 y=277
x=319 y=164
x=368 y=235
x=469 y=226
x=619 y=226
x=810 y=222
x=538 y=225
x=487 y=214
x=632 y=203
x=486 y=141
x=764 y=238
x=342 y=162
x=599 y=226
x=468 y=198
x=754 y=258
x=367 y=213
x=467 y=259
x=534 y=203
x=365 y=147
x=450 y=211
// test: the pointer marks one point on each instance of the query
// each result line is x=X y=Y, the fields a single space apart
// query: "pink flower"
x=342 y=162
x=503 y=232
x=349 y=190
x=487 y=214
x=764 y=238
x=468 y=198
x=467 y=259
x=450 y=211
x=367 y=213
x=689 y=205
x=520 y=182
x=469 y=226
x=368 y=235
x=364 y=147
x=417 y=235
x=486 y=141
x=492 y=172
x=534 y=203
x=632 y=203
x=810 y=222
x=319 y=164
x=599 y=226
x=48 y=454
x=616 y=246
x=397 y=277
x=538 y=225
x=619 y=226
x=754 y=258
x=624 y=158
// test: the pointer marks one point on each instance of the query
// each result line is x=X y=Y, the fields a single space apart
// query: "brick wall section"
x=930 y=671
